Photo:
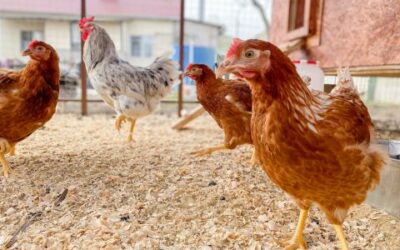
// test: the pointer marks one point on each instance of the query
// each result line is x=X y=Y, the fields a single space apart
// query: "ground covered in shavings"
x=77 y=185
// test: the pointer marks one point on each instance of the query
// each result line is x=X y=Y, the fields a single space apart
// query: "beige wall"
x=114 y=30
x=55 y=32
x=160 y=31
x=58 y=34
x=200 y=34
x=10 y=36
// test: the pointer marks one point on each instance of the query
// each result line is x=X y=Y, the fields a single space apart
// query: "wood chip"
x=94 y=191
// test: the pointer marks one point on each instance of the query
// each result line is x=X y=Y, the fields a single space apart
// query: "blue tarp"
x=196 y=54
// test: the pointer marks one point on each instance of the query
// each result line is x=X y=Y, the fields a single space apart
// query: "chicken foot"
x=208 y=151
x=298 y=240
x=340 y=234
x=5 y=148
x=131 y=129
x=120 y=120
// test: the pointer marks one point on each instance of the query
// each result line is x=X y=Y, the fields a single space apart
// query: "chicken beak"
x=27 y=52
x=186 y=73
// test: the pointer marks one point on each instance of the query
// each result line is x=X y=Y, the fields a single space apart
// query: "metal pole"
x=83 y=68
x=181 y=55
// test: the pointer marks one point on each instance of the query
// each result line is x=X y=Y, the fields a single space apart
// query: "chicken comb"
x=233 y=48
x=32 y=44
x=84 y=20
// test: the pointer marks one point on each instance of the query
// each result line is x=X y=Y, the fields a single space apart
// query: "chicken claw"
x=119 y=121
x=208 y=151
x=296 y=244
x=298 y=240
x=5 y=148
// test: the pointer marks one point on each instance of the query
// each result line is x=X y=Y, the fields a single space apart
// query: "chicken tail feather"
x=376 y=159
x=344 y=81
x=165 y=63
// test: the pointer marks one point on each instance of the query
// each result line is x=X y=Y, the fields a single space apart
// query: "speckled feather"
x=130 y=90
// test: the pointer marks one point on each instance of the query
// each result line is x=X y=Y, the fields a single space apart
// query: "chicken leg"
x=298 y=240
x=254 y=158
x=208 y=151
x=12 y=150
x=340 y=234
x=119 y=121
x=5 y=148
x=131 y=129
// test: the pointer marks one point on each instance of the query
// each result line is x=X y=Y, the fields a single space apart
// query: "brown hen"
x=28 y=98
x=316 y=147
x=228 y=102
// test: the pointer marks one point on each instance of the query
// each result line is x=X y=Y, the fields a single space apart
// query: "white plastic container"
x=311 y=69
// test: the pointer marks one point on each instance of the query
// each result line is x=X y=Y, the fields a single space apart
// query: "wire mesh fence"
x=141 y=31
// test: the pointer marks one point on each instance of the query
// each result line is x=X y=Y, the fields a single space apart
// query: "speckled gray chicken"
x=131 y=91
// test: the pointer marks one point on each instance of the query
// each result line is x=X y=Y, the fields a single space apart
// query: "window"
x=75 y=36
x=28 y=36
x=141 y=46
x=296 y=15
x=298 y=18
x=303 y=20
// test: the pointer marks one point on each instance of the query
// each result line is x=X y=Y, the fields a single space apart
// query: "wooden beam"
x=100 y=100
x=181 y=123
x=291 y=46
x=384 y=71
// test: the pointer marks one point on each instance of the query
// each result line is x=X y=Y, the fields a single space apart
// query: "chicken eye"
x=250 y=53
x=40 y=48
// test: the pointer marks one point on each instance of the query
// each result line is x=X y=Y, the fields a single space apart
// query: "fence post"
x=181 y=55
x=83 y=68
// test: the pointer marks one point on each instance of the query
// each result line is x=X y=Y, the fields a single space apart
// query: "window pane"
x=141 y=46
x=75 y=36
x=147 y=46
x=296 y=14
x=26 y=37
x=37 y=35
x=135 y=46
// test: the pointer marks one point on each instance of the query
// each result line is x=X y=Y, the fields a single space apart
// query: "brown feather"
x=28 y=98
x=315 y=146
x=233 y=115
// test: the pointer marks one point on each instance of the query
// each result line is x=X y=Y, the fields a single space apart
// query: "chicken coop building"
x=355 y=33
x=141 y=31
x=363 y=35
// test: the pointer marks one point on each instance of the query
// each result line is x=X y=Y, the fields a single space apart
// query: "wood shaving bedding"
x=152 y=194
